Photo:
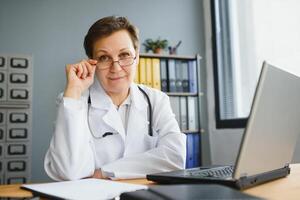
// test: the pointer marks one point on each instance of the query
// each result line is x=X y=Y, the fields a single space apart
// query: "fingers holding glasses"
x=91 y=67
x=85 y=68
x=71 y=71
x=81 y=70
x=92 y=61
x=80 y=76
x=78 y=69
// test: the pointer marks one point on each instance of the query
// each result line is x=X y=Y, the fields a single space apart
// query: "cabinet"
x=15 y=118
x=179 y=78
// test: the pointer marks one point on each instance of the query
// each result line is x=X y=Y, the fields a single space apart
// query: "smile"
x=115 y=78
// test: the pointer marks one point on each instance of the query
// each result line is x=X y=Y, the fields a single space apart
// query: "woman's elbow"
x=60 y=171
x=66 y=175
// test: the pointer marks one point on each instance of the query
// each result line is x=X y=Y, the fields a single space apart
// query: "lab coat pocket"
x=150 y=142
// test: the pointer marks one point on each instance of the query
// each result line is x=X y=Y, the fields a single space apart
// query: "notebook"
x=82 y=189
x=268 y=142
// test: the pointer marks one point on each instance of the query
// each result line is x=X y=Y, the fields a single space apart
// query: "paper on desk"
x=84 y=189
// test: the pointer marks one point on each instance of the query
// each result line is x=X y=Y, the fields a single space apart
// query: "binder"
x=183 y=113
x=172 y=75
x=142 y=70
x=197 y=120
x=178 y=73
x=156 y=73
x=189 y=151
x=175 y=105
x=149 y=72
x=185 y=75
x=192 y=65
x=197 y=150
x=192 y=112
x=164 y=75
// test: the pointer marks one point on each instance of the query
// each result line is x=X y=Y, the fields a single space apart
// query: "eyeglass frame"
x=118 y=61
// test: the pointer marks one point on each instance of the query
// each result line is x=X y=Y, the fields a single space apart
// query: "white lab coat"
x=74 y=153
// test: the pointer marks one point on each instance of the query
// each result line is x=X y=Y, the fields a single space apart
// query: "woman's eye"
x=104 y=58
x=124 y=55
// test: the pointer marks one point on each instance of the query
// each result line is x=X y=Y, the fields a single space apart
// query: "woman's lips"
x=116 y=78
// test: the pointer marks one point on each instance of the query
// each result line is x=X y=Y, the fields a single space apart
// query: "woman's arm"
x=168 y=155
x=70 y=155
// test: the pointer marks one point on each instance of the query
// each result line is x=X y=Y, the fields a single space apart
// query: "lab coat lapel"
x=113 y=119
x=137 y=121
x=100 y=100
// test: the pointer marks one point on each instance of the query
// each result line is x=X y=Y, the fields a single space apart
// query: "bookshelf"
x=178 y=76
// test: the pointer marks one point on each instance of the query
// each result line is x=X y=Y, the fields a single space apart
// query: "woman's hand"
x=97 y=174
x=80 y=76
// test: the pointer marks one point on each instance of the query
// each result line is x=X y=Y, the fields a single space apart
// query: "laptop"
x=268 y=142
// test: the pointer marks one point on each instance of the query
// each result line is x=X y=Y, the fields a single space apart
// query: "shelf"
x=190 y=131
x=181 y=94
x=152 y=55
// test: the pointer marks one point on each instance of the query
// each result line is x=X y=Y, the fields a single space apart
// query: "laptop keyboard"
x=218 y=172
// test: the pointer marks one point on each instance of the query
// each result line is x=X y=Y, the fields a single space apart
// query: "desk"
x=284 y=188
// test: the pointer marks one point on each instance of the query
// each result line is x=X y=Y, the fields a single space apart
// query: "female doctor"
x=107 y=126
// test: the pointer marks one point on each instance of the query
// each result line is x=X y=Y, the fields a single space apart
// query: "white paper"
x=85 y=188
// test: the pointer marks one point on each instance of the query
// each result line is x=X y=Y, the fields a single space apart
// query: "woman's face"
x=113 y=77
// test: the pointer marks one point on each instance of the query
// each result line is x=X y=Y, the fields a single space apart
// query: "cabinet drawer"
x=18 y=133
x=18 y=63
x=3 y=77
x=17 y=116
x=20 y=94
x=1 y=150
x=15 y=166
x=2 y=133
x=2 y=117
x=16 y=179
x=13 y=150
x=3 y=62
x=18 y=78
x=3 y=92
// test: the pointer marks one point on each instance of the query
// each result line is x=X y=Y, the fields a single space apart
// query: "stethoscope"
x=150 y=132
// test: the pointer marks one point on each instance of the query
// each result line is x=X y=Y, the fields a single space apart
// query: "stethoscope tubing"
x=150 y=131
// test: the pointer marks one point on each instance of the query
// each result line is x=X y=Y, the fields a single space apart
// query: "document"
x=83 y=189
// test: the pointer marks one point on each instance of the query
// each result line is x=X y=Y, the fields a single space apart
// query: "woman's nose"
x=115 y=67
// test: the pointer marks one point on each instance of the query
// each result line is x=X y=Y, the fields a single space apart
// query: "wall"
x=53 y=32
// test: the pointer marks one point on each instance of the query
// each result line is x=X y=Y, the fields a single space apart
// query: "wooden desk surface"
x=284 y=188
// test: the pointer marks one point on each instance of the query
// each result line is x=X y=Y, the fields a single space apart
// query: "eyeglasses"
x=106 y=62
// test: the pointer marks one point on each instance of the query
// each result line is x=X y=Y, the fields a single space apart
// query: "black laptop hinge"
x=243 y=176
x=287 y=166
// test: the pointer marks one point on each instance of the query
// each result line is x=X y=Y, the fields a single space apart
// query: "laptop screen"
x=274 y=123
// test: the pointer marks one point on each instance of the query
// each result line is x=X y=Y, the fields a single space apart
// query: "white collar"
x=103 y=101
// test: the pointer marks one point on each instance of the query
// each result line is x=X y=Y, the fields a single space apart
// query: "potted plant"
x=156 y=46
